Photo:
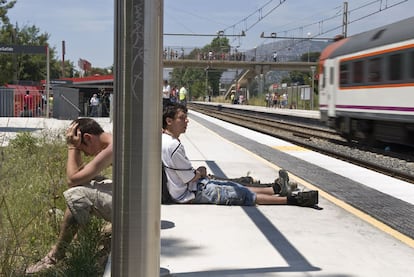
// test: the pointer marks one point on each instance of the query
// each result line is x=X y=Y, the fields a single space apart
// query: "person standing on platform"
x=183 y=95
x=28 y=104
x=166 y=93
x=275 y=56
x=94 y=104
x=189 y=185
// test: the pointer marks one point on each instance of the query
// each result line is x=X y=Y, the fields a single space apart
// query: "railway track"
x=312 y=135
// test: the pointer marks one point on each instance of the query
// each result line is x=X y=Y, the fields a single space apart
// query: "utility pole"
x=137 y=141
x=313 y=68
x=63 y=58
x=345 y=20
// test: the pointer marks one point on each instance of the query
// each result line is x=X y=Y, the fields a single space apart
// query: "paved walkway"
x=209 y=240
x=203 y=240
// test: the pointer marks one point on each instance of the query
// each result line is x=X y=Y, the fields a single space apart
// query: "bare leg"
x=265 y=199
x=68 y=229
x=262 y=190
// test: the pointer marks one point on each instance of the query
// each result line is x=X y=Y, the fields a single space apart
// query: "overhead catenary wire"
x=298 y=39
x=259 y=13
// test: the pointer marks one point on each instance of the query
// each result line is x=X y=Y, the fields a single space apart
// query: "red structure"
x=27 y=97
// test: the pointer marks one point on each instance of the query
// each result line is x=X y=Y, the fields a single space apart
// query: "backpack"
x=166 y=197
x=165 y=194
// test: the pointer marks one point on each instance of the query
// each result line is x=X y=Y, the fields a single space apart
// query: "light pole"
x=207 y=82
x=309 y=34
x=255 y=53
x=312 y=68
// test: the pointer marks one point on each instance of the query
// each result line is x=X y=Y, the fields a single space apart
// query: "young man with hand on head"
x=88 y=193
x=188 y=185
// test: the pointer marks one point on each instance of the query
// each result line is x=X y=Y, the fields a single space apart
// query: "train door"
x=330 y=87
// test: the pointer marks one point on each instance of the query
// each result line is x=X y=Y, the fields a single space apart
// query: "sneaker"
x=307 y=198
x=45 y=263
x=277 y=187
x=284 y=183
x=293 y=186
x=245 y=180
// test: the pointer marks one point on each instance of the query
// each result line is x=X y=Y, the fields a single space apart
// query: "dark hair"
x=170 y=110
x=88 y=125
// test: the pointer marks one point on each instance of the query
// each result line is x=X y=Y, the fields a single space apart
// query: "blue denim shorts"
x=224 y=193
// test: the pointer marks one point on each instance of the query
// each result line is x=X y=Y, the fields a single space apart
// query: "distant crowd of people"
x=276 y=100
x=34 y=104
x=173 y=54
x=238 y=98
x=174 y=94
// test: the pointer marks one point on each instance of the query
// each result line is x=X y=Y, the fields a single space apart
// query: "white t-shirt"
x=94 y=101
x=178 y=169
x=166 y=92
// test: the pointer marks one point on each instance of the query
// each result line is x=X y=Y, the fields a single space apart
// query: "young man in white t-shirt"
x=188 y=185
x=166 y=93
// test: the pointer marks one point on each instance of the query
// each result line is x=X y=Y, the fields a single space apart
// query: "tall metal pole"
x=63 y=58
x=313 y=68
x=345 y=20
x=309 y=45
x=47 y=82
x=137 y=138
x=207 y=92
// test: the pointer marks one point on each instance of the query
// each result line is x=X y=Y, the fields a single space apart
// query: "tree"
x=195 y=78
x=313 y=57
x=192 y=78
x=26 y=66
x=296 y=77
x=219 y=45
x=5 y=5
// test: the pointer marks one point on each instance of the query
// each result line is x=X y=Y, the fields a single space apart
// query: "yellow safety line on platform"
x=366 y=217
x=290 y=148
x=358 y=213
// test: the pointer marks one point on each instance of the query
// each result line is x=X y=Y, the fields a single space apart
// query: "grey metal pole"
x=47 y=81
x=137 y=138
x=345 y=20
x=313 y=68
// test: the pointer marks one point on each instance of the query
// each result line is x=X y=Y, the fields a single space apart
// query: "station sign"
x=22 y=49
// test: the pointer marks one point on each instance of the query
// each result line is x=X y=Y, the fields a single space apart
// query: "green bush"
x=33 y=178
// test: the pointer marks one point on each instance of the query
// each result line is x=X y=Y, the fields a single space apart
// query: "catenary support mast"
x=137 y=127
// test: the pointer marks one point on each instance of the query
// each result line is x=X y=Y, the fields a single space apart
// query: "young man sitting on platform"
x=188 y=185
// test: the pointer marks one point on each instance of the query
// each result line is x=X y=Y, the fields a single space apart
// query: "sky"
x=87 y=26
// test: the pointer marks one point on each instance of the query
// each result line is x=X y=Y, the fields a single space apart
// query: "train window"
x=344 y=72
x=374 y=70
x=324 y=76
x=331 y=75
x=358 y=72
x=395 y=66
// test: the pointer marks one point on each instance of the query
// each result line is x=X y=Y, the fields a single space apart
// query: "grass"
x=33 y=178
x=260 y=101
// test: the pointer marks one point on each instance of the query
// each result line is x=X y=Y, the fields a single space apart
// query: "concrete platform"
x=209 y=240
x=203 y=240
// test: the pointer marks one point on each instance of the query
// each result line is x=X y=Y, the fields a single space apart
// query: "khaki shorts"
x=94 y=198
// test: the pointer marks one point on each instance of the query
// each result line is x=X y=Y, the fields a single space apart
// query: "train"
x=366 y=85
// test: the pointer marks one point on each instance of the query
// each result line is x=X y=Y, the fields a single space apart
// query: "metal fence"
x=22 y=102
